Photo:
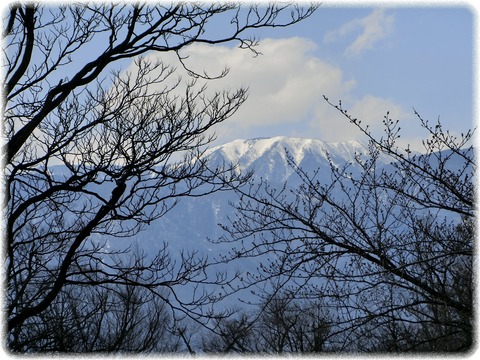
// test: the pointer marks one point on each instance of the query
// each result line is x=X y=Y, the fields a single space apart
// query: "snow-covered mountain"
x=192 y=222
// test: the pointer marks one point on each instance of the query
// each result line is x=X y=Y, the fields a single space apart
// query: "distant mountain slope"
x=193 y=220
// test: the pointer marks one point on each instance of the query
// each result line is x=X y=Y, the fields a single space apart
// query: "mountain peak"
x=267 y=156
x=295 y=145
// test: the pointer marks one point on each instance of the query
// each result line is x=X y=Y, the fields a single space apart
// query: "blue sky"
x=424 y=59
x=374 y=59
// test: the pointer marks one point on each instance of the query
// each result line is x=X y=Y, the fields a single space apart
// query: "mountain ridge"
x=267 y=157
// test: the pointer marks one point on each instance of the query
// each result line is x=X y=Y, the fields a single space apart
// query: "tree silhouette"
x=388 y=247
x=280 y=324
x=114 y=134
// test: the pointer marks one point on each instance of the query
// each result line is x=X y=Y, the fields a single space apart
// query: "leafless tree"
x=280 y=324
x=108 y=318
x=232 y=335
x=67 y=102
x=388 y=247
x=288 y=325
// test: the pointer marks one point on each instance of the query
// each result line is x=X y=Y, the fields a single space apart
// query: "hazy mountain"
x=192 y=222
x=195 y=219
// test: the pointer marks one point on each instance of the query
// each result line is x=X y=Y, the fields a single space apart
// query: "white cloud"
x=285 y=83
x=369 y=30
x=286 y=87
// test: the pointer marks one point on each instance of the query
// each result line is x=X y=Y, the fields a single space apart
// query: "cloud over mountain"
x=286 y=84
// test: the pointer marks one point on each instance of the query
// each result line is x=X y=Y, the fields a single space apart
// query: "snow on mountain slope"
x=267 y=157
x=190 y=224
